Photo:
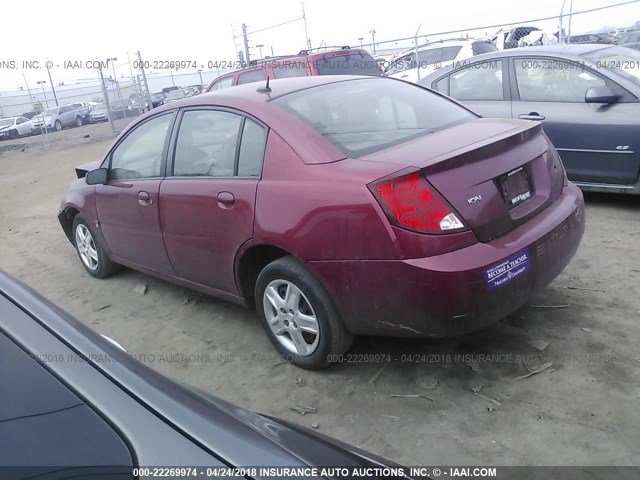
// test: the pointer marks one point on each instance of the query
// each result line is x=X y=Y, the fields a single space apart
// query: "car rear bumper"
x=460 y=291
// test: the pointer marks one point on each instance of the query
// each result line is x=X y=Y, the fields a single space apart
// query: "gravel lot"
x=471 y=409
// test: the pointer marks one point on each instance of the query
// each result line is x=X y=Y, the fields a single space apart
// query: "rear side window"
x=480 y=81
x=251 y=76
x=479 y=48
x=437 y=55
x=364 y=116
x=289 y=70
x=222 y=83
x=353 y=64
x=206 y=144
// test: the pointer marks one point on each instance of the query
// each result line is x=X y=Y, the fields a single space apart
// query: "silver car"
x=586 y=96
x=56 y=118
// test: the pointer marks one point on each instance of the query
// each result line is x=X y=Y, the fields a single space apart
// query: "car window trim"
x=176 y=131
x=515 y=92
x=165 y=149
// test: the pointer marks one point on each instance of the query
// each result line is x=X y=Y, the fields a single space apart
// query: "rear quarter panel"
x=323 y=211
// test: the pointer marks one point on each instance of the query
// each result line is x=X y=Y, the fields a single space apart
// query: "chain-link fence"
x=115 y=91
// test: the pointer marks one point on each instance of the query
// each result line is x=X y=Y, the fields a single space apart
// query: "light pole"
x=41 y=83
x=52 y=89
x=260 y=48
x=200 y=73
x=360 y=38
x=373 y=40
x=1 y=114
x=173 y=84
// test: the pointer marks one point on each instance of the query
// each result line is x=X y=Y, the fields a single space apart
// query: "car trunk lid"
x=495 y=173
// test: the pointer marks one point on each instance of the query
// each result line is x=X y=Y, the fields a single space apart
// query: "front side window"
x=225 y=82
x=139 y=155
x=437 y=55
x=480 y=81
x=553 y=80
x=368 y=115
x=206 y=144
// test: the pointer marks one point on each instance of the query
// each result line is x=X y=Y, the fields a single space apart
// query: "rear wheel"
x=299 y=316
x=78 y=121
x=58 y=125
x=92 y=257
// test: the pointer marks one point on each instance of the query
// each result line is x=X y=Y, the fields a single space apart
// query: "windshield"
x=6 y=122
x=352 y=64
x=621 y=60
x=50 y=111
x=363 y=116
x=100 y=106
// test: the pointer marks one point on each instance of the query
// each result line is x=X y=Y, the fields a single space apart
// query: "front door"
x=128 y=205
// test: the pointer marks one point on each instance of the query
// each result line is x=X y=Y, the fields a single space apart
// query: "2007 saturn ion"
x=335 y=206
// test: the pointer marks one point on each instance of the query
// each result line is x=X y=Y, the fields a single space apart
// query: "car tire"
x=92 y=257
x=57 y=125
x=78 y=121
x=13 y=134
x=287 y=294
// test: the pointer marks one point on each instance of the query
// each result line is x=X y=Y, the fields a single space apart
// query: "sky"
x=77 y=31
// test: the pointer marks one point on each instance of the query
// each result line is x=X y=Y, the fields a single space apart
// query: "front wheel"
x=58 y=125
x=92 y=257
x=78 y=122
x=13 y=134
x=299 y=316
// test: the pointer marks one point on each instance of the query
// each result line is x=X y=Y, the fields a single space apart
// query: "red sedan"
x=335 y=206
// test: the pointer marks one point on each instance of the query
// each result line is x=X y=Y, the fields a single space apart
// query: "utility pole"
x=200 y=74
x=373 y=40
x=415 y=47
x=105 y=93
x=570 y=15
x=306 y=32
x=52 y=89
x=144 y=78
x=246 y=43
x=560 y=31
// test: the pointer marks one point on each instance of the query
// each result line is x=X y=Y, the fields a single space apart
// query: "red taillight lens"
x=410 y=202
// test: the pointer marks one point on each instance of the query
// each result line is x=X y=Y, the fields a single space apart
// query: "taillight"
x=410 y=202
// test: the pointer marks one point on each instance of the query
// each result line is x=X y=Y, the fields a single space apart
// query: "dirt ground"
x=472 y=410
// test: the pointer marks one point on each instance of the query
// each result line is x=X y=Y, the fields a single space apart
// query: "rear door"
x=597 y=143
x=127 y=205
x=207 y=201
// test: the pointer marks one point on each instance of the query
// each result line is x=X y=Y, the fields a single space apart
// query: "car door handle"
x=531 y=116
x=143 y=198
x=226 y=200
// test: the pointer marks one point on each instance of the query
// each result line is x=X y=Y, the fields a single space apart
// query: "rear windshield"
x=364 y=116
x=353 y=64
x=483 y=47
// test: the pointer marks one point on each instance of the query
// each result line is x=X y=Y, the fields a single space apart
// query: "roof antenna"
x=266 y=88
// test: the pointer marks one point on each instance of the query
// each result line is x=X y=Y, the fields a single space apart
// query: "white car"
x=14 y=127
x=433 y=56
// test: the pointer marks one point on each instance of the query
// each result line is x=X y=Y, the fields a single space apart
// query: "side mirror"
x=96 y=177
x=600 y=95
